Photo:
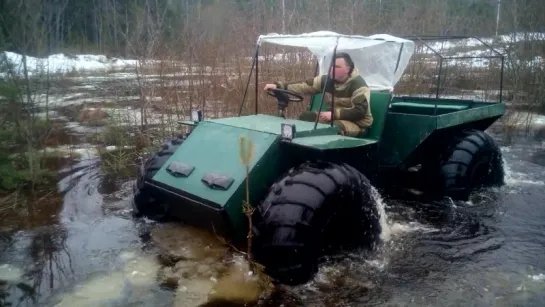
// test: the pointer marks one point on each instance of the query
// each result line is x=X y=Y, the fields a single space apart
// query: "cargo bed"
x=412 y=127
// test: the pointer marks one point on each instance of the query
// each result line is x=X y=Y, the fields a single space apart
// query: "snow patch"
x=61 y=63
x=473 y=42
x=481 y=47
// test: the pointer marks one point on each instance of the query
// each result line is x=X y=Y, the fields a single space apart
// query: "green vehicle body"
x=312 y=189
x=403 y=131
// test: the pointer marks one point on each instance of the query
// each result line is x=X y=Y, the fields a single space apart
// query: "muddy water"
x=83 y=248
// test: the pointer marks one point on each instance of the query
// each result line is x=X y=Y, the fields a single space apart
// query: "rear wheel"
x=474 y=160
x=316 y=208
x=145 y=202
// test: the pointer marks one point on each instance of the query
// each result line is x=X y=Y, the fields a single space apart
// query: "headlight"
x=196 y=115
x=287 y=131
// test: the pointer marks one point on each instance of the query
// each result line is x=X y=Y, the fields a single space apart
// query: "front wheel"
x=317 y=207
x=145 y=202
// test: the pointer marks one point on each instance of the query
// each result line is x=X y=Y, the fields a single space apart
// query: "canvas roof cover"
x=376 y=56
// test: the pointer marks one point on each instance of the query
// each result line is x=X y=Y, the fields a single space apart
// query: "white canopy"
x=374 y=56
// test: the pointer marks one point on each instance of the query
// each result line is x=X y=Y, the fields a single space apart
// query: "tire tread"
x=459 y=162
x=335 y=214
x=144 y=201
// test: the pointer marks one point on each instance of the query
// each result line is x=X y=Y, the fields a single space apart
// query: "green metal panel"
x=271 y=124
x=417 y=105
x=470 y=115
x=315 y=103
x=426 y=108
x=433 y=100
x=213 y=147
x=264 y=171
x=332 y=142
x=402 y=134
x=379 y=109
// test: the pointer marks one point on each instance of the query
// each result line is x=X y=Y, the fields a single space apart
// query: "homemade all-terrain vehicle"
x=312 y=189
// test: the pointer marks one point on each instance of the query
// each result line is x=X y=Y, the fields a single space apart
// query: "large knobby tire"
x=473 y=161
x=316 y=208
x=145 y=202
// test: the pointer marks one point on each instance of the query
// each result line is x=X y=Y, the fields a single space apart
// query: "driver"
x=352 y=111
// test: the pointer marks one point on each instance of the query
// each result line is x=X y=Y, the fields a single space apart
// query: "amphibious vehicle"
x=312 y=189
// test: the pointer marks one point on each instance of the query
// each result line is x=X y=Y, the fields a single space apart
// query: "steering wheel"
x=284 y=97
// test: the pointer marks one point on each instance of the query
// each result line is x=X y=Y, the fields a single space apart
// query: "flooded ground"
x=83 y=248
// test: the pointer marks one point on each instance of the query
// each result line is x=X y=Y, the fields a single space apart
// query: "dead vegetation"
x=198 y=55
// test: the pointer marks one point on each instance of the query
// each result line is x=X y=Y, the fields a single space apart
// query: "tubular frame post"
x=423 y=38
x=328 y=80
x=256 y=78
x=254 y=62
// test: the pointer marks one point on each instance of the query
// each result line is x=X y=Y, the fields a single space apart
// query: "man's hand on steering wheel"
x=282 y=95
x=269 y=86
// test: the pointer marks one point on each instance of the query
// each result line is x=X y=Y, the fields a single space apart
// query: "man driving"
x=352 y=110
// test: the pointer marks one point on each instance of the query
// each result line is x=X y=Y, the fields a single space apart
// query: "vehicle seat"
x=380 y=103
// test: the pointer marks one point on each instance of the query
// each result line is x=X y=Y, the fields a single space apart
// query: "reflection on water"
x=45 y=264
x=52 y=264
x=94 y=254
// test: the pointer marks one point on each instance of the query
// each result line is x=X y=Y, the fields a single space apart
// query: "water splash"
x=399 y=228
x=516 y=179
x=379 y=201
x=538 y=277
x=391 y=227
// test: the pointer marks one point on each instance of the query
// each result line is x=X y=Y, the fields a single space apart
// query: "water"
x=83 y=248
x=88 y=250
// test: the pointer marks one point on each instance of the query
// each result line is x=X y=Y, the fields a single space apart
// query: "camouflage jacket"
x=351 y=97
